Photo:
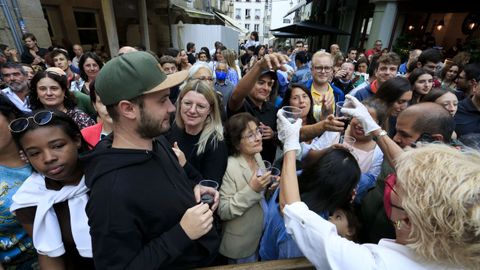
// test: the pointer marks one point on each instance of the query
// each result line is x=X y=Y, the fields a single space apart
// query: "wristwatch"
x=382 y=133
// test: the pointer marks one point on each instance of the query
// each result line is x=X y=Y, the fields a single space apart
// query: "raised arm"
x=309 y=132
x=245 y=85
x=289 y=191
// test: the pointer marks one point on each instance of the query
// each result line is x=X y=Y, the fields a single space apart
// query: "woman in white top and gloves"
x=434 y=206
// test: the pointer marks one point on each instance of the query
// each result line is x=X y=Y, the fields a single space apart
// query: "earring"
x=398 y=224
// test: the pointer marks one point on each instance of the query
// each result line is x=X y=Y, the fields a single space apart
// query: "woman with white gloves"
x=434 y=210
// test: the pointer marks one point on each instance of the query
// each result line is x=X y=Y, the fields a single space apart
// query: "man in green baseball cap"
x=144 y=211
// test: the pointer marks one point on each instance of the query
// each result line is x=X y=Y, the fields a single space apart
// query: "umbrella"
x=310 y=28
x=287 y=35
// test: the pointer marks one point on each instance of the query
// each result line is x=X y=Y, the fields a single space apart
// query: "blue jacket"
x=364 y=93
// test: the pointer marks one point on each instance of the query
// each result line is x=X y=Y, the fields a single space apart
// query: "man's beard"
x=149 y=127
x=18 y=86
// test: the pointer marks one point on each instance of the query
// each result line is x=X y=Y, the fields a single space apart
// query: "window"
x=258 y=1
x=286 y=20
x=256 y=27
x=238 y=13
x=86 y=21
x=257 y=14
x=247 y=13
x=247 y=26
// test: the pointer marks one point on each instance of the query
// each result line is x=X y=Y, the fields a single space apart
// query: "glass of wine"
x=341 y=116
x=292 y=113
x=266 y=168
x=207 y=191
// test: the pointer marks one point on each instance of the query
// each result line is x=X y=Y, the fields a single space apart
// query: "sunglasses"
x=390 y=182
x=21 y=124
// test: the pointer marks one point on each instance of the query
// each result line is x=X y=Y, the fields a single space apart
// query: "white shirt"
x=21 y=104
x=325 y=249
x=75 y=61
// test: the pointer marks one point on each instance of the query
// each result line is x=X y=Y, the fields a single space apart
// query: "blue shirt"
x=302 y=75
x=15 y=244
x=364 y=93
x=276 y=243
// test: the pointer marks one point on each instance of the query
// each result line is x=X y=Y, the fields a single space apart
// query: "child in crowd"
x=51 y=203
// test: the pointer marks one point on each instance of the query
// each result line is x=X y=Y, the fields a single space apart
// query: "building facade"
x=106 y=25
x=254 y=15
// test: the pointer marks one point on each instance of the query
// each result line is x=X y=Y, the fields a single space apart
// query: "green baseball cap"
x=131 y=75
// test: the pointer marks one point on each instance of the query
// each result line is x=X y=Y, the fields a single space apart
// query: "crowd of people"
x=354 y=161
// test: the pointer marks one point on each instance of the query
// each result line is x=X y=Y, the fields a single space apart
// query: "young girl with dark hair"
x=51 y=203
x=422 y=82
x=327 y=185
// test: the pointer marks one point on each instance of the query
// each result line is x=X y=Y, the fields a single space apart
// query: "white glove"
x=288 y=133
x=360 y=112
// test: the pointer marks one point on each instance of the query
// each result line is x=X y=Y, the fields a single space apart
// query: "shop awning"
x=195 y=13
x=310 y=28
x=300 y=4
x=287 y=35
x=231 y=22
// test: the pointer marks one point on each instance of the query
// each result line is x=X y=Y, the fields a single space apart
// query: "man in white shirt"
x=15 y=77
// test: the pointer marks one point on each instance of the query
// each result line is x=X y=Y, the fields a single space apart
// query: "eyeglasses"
x=204 y=78
x=322 y=68
x=199 y=107
x=21 y=124
x=251 y=136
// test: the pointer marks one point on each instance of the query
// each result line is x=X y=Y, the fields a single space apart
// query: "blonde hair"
x=230 y=57
x=320 y=54
x=442 y=200
x=213 y=124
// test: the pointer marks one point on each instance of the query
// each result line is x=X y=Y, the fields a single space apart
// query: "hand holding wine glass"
x=359 y=111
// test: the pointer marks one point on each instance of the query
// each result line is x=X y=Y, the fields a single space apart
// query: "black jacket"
x=137 y=200
x=211 y=164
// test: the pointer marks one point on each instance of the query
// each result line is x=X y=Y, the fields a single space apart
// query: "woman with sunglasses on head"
x=198 y=131
x=434 y=208
x=241 y=191
x=48 y=90
x=16 y=248
x=51 y=203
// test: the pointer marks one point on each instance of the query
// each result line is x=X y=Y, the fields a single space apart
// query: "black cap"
x=272 y=74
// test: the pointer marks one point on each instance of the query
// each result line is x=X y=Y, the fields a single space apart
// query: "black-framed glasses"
x=21 y=124
x=322 y=68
